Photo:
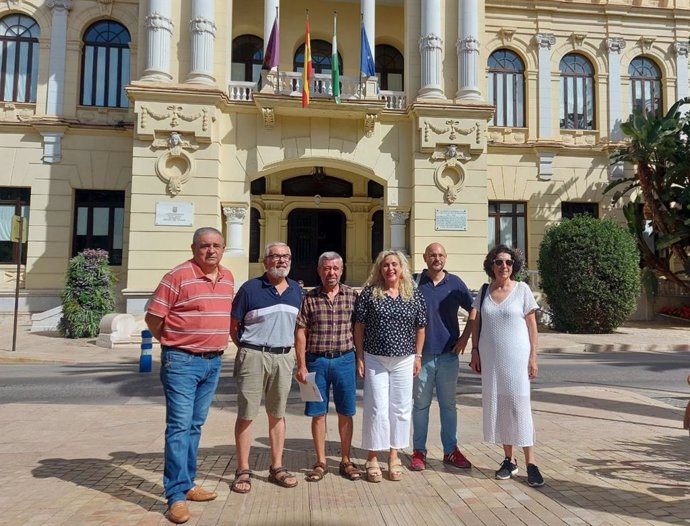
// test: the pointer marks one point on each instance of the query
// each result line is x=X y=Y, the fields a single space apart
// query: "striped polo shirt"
x=267 y=318
x=196 y=310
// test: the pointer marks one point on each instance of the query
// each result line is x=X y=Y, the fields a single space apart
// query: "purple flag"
x=272 y=55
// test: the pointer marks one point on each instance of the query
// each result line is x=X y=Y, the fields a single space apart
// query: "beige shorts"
x=258 y=373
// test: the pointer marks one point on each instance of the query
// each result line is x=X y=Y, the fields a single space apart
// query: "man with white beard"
x=262 y=326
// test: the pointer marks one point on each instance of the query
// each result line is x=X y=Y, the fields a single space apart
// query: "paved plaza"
x=609 y=456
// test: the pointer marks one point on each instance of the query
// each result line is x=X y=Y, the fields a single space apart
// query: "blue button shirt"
x=442 y=303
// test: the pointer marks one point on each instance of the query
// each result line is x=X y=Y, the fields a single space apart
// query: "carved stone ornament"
x=156 y=21
x=430 y=41
x=468 y=44
x=175 y=166
x=106 y=6
x=545 y=39
x=13 y=3
x=202 y=25
x=681 y=48
x=175 y=114
x=398 y=217
x=578 y=39
x=369 y=124
x=506 y=34
x=449 y=177
x=59 y=5
x=646 y=43
x=451 y=128
x=235 y=214
x=615 y=44
x=269 y=116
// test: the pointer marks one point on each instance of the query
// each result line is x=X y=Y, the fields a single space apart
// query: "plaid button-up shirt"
x=328 y=323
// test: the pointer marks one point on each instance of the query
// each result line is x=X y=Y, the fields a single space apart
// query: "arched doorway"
x=311 y=232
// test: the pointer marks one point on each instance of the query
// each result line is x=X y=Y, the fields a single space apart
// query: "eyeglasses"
x=501 y=262
x=278 y=257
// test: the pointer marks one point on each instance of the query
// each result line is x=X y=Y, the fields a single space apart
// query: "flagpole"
x=277 y=88
x=361 y=43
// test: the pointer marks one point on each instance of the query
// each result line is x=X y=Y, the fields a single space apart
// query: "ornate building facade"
x=126 y=124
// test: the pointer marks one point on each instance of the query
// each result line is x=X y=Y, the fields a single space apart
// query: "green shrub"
x=589 y=270
x=88 y=294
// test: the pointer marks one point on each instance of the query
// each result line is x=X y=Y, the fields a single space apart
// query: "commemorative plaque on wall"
x=454 y=219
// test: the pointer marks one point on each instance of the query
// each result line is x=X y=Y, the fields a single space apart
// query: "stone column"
x=159 y=27
x=234 y=223
x=615 y=46
x=431 y=50
x=203 y=30
x=368 y=10
x=544 y=41
x=397 y=220
x=269 y=16
x=468 y=50
x=58 y=56
x=681 y=49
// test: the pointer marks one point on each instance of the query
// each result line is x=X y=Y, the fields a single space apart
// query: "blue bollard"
x=145 y=360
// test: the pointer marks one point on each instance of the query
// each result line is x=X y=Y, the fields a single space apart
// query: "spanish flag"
x=308 y=73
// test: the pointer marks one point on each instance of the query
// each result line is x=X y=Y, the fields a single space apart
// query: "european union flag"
x=366 y=59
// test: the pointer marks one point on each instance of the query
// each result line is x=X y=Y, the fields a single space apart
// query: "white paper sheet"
x=309 y=391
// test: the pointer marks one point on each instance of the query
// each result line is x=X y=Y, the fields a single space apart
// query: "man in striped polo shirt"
x=189 y=314
x=263 y=328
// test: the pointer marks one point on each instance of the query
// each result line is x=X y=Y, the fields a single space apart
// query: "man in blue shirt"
x=444 y=294
x=262 y=325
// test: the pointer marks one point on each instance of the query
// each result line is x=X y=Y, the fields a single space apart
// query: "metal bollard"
x=146 y=345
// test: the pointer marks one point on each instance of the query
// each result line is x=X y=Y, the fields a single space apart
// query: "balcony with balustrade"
x=290 y=83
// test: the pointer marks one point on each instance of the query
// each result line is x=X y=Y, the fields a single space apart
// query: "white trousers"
x=387 y=410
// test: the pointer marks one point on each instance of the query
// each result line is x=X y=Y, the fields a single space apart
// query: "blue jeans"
x=341 y=373
x=189 y=383
x=440 y=370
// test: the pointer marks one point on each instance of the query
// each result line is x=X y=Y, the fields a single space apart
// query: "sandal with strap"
x=318 y=471
x=242 y=476
x=349 y=471
x=395 y=472
x=279 y=477
x=373 y=471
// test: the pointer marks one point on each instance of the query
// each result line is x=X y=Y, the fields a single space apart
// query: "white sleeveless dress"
x=504 y=352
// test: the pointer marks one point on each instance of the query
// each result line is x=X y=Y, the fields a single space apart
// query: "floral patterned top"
x=390 y=324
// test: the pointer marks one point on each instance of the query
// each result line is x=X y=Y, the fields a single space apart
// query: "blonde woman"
x=390 y=316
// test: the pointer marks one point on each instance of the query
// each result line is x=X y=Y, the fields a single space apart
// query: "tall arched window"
x=577 y=93
x=390 y=67
x=19 y=58
x=507 y=88
x=320 y=57
x=105 y=65
x=247 y=58
x=645 y=85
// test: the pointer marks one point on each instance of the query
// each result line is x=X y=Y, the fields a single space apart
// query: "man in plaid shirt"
x=324 y=345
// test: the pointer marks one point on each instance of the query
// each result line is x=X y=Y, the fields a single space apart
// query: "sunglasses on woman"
x=501 y=262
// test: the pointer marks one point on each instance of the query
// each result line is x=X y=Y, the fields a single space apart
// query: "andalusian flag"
x=335 y=66
x=308 y=73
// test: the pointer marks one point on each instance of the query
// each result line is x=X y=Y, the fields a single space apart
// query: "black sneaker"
x=507 y=470
x=534 y=478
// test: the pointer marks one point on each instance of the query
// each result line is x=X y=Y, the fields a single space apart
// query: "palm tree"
x=658 y=148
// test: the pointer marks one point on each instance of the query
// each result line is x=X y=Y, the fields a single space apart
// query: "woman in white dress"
x=505 y=354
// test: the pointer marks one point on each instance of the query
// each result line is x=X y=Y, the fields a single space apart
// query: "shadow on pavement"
x=661 y=463
x=613 y=406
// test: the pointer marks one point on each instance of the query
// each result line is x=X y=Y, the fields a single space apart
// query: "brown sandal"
x=349 y=471
x=248 y=480
x=318 y=471
x=279 y=475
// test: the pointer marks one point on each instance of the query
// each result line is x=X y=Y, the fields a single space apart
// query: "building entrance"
x=312 y=232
